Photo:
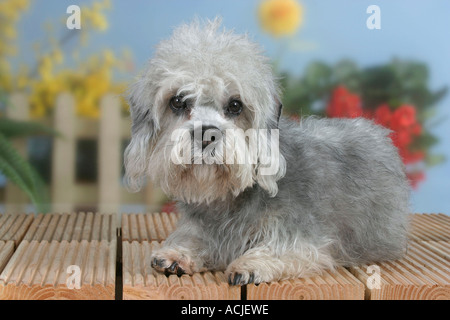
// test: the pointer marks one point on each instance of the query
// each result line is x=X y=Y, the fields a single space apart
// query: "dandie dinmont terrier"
x=262 y=198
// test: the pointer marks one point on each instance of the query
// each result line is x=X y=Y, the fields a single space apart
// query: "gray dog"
x=262 y=198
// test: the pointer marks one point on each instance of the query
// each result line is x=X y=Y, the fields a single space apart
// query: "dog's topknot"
x=200 y=39
x=208 y=65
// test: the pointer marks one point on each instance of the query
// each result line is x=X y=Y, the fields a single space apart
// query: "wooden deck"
x=41 y=270
x=91 y=256
x=141 y=281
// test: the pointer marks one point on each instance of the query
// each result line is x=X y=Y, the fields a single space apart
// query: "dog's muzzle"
x=209 y=135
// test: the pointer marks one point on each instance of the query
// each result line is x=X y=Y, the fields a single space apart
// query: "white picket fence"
x=107 y=195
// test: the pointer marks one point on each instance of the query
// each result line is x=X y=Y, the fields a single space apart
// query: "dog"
x=301 y=198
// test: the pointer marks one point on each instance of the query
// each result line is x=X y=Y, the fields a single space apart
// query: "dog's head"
x=205 y=113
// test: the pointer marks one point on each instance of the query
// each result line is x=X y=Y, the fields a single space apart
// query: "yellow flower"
x=37 y=111
x=109 y=57
x=9 y=32
x=22 y=77
x=94 y=18
x=280 y=17
x=21 y=4
x=88 y=83
x=8 y=10
x=99 y=21
x=45 y=68
x=58 y=56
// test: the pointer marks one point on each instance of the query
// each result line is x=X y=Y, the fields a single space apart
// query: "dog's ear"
x=271 y=165
x=276 y=110
x=142 y=137
x=280 y=108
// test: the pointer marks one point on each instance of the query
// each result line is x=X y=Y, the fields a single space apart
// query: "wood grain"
x=142 y=282
x=39 y=270
x=423 y=274
x=14 y=227
x=148 y=226
x=75 y=226
x=6 y=251
x=338 y=285
x=434 y=227
x=45 y=245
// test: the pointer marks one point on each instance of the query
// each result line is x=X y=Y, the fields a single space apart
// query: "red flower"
x=368 y=114
x=383 y=115
x=410 y=157
x=415 y=177
x=403 y=117
x=402 y=122
x=404 y=125
x=169 y=207
x=401 y=138
x=416 y=129
x=344 y=104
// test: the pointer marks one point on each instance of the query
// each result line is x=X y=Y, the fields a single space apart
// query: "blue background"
x=331 y=30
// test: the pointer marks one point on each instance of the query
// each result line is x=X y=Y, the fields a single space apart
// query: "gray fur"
x=341 y=196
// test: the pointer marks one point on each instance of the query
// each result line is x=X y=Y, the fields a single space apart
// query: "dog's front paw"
x=241 y=278
x=240 y=273
x=171 y=261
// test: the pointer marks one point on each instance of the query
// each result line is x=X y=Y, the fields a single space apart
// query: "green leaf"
x=13 y=128
x=16 y=178
x=378 y=85
x=434 y=159
x=14 y=159
x=346 y=73
x=20 y=172
x=438 y=95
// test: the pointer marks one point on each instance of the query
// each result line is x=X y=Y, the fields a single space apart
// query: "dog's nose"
x=213 y=131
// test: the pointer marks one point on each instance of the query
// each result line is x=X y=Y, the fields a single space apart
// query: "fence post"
x=15 y=199
x=63 y=168
x=109 y=155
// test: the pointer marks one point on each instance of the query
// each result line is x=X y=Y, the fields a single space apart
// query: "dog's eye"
x=234 y=107
x=177 y=103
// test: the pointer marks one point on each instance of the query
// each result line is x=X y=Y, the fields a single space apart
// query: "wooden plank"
x=142 y=282
x=6 y=251
x=41 y=270
x=148 y=227
x=38 y=268
x=14 y=227
x=428 y=227
x=441 y=248
x=109 y=154
x=86 y=128
x=63 y=158
x=403 y=279
x=423 y=274
x=74 y=226
x=337 y=285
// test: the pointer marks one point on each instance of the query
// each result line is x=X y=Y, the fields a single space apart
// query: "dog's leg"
x=262 y=264
x=177 y=260
x=181 y=252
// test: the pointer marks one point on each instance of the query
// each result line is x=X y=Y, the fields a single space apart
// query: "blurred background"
x=64 y=124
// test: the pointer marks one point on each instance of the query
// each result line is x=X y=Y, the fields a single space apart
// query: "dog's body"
x=339 y=196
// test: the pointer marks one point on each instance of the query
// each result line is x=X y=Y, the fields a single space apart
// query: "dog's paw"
x=171 y=261
x=241 y=273
x=252 y=269
x=237 y=278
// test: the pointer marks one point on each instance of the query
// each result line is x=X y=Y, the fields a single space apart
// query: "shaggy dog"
x=262 y=198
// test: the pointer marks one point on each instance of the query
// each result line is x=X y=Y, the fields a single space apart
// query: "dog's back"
x=346 y=181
